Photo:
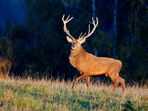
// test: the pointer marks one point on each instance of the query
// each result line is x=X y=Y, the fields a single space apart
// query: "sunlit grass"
x=55 y=95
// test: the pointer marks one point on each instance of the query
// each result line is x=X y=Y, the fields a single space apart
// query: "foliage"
x=5 y=66
x=40 y=45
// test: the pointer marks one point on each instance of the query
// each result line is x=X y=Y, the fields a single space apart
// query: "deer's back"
x=97 y=65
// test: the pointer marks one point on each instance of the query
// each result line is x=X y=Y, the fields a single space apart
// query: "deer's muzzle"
x=73 y=46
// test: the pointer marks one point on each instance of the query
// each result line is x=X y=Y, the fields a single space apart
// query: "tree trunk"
x=114 y=28
x=94 y=15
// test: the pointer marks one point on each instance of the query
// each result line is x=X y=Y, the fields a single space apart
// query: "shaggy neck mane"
x=76 y=56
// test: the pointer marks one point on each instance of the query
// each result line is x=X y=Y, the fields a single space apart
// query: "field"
x=18 y=94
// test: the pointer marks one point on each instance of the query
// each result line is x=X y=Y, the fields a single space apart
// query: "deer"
x=89 y=65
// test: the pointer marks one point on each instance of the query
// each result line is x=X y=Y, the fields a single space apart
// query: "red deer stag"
x=89 y=65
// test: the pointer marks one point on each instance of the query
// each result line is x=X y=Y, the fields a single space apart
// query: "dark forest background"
x=38 y=48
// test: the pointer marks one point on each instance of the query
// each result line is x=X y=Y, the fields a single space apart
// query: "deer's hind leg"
x=114 y=79
x=122 y=81
x=116 y=83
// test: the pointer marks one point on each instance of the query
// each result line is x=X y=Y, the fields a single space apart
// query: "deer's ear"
x=82 y=41
x=69 y=39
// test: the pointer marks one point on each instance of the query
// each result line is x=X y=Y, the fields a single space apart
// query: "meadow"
x=17 y=94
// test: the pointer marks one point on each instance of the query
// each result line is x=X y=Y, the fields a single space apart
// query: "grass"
x=18 y=94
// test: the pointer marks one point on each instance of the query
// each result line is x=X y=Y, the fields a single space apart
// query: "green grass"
x=42 y=95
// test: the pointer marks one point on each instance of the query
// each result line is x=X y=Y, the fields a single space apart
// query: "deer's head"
x=76 y=43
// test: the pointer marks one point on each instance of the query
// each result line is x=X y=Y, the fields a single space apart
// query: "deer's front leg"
x=78 y=78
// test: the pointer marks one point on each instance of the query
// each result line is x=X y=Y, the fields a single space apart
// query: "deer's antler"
x=89 y=33
x=65 y=22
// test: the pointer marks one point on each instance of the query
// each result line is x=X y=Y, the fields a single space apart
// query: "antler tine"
x=65 y=22
x=89 y=33
x=63 y=17
x=80 y=35
x=83 y=35
x=95 y=25
x=67 y=17
x=93 y=21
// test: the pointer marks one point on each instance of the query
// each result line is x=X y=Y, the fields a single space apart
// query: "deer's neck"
x=77 y=56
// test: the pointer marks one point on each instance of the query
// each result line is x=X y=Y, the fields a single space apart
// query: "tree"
x=41 y=49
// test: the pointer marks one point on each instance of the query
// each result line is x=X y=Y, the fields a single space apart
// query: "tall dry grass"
x=52 y=95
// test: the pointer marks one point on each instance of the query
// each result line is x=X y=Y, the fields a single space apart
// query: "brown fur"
x=89 y=65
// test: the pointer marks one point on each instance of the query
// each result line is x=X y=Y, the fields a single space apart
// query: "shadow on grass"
x=128 y=106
